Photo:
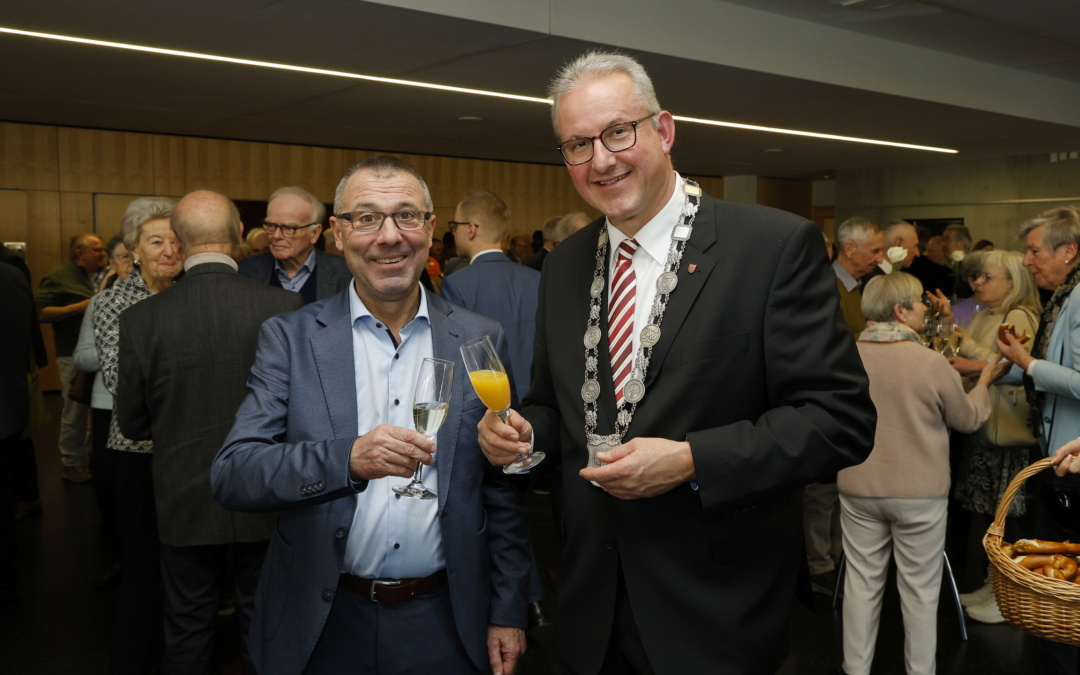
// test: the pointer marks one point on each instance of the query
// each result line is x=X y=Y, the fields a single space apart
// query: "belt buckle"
x=377 y=582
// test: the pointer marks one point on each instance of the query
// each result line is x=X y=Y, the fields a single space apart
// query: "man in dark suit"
x=492 y=284
x=683 y=538
x=185 y=356
x=294 y=221
x=356 y=579
x=16 y=357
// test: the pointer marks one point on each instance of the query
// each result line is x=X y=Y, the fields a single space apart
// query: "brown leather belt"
x=391 y=591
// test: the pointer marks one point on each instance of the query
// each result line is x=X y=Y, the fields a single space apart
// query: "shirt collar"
x=845 y=278
x=486 y=251
x=209 y=257
x=309 y=263
x=358 y=310
x=655 y=237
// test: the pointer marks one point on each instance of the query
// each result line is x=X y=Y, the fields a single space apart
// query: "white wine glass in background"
x=489 y=380
x=431 y=402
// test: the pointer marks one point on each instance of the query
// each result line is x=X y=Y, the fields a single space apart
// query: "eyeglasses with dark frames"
x=616 y=138
x=372 y=221
x=455 y=224
x=287 y=231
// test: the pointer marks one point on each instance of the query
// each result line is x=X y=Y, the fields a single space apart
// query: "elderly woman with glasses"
x=1051 y=378
x=895 y=501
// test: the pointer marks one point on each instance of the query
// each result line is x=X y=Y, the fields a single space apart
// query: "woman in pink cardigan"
x=895 y=501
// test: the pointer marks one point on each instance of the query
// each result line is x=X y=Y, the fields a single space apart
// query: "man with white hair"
x=860 y=246
x=902 y=234
x=294 y=221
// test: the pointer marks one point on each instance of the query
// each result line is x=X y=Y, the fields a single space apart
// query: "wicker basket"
x=1045 y=607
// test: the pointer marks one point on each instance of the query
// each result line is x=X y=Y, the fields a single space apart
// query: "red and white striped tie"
x=621 y=317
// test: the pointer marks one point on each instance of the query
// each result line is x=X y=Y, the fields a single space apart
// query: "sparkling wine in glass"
x=489 y=380
x=431 y=402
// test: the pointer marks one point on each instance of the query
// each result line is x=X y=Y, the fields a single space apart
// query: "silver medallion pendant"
x=650 y=335
x=634 y=390
x=667 y=282
x=597 y=287
x=595 y=443
x=624 y=418
x=590 y=391
x=592 y=337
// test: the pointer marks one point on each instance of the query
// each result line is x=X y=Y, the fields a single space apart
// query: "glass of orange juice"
x=489 y=380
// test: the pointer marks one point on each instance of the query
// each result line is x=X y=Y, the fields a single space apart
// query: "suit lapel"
x=329 y=344
x=446 y=335
x=684 y=296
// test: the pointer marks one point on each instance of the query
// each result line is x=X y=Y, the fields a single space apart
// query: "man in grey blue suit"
x=356 y=579
x=492 y=284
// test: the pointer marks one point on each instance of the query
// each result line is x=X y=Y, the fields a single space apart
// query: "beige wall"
x=992 y=196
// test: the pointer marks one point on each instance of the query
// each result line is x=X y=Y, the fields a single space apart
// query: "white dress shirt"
x=391 y=537
x=650 y=259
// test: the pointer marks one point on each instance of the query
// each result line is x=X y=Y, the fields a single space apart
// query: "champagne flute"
x=489 y=380
x=431 y=402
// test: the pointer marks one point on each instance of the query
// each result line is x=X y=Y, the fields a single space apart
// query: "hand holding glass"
x=431 y=402
x=489 y=380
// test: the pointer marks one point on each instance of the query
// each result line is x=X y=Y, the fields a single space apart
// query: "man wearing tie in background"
x=356 y=579
x=683 y=545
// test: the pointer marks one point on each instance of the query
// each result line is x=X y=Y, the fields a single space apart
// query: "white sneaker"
x=977 y=597
x=987 y=612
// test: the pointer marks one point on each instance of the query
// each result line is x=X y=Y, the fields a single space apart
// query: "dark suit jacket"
x=497 y=287
x=331 y=272
x=537 y=261
x=756 y=369
x=185 y=356
x=18 y=316
x=289 y=450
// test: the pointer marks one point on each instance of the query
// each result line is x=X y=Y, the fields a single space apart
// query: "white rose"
x=957 y=256
x=896 y=254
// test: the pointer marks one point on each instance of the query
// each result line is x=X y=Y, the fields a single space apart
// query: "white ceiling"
x=991 y=78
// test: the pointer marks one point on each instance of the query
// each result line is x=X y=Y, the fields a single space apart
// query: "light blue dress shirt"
x=391 y=537
x=297 y=282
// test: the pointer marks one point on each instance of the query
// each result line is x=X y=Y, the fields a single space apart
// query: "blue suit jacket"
x=331 y=272
x=497 y=287
x=289 y=451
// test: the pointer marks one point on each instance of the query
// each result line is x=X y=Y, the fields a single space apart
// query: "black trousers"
x=9 y=592
x=103 y=465
x=193 y=580
x=625 y=652
x=136 y=640
x=1055 y=658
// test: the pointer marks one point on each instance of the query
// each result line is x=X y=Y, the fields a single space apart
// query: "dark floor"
x=64 y=623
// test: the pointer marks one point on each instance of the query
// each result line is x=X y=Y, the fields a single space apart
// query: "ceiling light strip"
x=441 y=87
x=811 y=134
x=267 y=64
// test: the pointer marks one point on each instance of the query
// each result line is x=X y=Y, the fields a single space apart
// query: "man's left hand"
x=644 y=467
x=505 y=646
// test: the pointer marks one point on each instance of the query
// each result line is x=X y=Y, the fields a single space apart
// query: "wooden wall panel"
x=28 y=157
x=794 y=196
x=109 y=211
x=46 y=249
x=92 y=160
x=237 y=169
x=317 y=170
x=169 y=177
x=14 y=216
x=76 y=216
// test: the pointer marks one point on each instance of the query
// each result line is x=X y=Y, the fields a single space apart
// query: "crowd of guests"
x=251 y=413
x=1008 y=401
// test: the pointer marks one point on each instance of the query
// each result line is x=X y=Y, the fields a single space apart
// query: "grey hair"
x=595 y=64
x=1060 y=225
x=140 y=212
x=565 y=227
x=886 y=291
x=318 y=209
x=962 y=233
x=383 y=166
x=856 y=229
x=252 y=233
x=894 y=228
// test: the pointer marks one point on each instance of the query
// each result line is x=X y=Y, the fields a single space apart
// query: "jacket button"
x=328 y=595
x=321 y=485
x=340 y=533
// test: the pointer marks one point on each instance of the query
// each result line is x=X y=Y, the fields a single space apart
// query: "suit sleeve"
x=256 y=468
x=1053 y=377
x=820 y=419
x=511 y=559
x=450 y=292
x=132 y=411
